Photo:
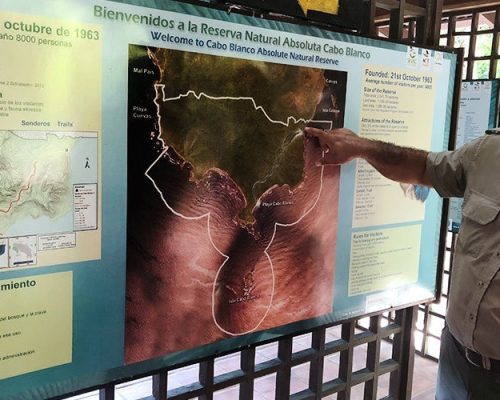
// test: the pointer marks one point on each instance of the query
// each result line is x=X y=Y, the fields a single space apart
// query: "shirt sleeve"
x=447 y=170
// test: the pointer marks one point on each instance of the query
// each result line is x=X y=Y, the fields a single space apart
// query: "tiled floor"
x=423 y=381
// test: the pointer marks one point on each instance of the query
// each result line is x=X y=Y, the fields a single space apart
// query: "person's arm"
x=402 y=164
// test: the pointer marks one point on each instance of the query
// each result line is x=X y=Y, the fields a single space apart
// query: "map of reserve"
x=38 y=172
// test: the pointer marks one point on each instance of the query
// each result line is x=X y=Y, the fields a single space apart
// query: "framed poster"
x=160 y=203
x=478 y=112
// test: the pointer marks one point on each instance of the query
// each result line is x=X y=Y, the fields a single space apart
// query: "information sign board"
x=160 y=203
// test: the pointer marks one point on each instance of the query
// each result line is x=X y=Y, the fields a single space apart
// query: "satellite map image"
x=232 y=223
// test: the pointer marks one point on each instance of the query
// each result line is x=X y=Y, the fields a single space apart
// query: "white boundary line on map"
x=208 y=214
x=198 y=96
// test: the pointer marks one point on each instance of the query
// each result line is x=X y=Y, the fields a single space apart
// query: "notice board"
x=477 y=113
x=159 y=202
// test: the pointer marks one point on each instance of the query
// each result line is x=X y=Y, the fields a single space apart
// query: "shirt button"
x=480 y=284
x=471 y=317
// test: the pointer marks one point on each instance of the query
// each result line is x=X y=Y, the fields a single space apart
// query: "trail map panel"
x=37 y=173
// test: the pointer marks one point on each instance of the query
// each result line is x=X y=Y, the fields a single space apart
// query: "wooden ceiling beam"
x=410 y=9
x=467 y=5
x=448 y=6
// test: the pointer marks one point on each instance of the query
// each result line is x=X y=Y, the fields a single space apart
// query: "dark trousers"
x=460 y=380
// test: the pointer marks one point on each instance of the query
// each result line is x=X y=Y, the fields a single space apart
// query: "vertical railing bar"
x=396 y=24
x=160 y=387
x=283 y=375
x=403 y=352
x=107 y=392
x=472 y=45
x=436 y=20
x=206 y=378
x=450 y=41
x=425 y=331
x=373 y=359
x=247 y=365
x=316 y=366
x=368 y=26
x=494 y=45
x=346 y=359
x=394 y=382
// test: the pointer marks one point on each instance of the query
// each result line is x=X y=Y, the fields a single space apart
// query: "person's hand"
x=339 y=145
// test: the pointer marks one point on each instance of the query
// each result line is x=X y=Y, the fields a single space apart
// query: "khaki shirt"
x=473 y=172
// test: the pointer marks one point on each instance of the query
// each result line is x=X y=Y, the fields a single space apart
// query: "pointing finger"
x=314 y=131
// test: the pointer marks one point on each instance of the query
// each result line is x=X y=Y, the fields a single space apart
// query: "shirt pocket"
x=478 y=215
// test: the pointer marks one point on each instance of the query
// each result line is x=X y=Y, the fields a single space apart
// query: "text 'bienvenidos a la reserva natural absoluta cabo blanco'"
x=203 y=34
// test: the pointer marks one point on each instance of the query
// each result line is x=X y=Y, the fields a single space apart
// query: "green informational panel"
x=159 y=202
x=477 y=113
